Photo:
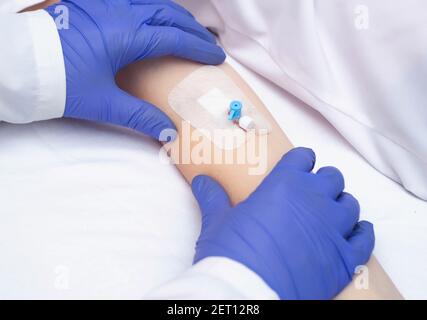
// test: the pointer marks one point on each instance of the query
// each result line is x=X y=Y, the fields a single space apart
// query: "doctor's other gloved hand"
x=102 y=37
x=298 y=230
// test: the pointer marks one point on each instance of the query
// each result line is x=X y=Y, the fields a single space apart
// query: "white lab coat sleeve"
x=32 y=72
x=216 y=278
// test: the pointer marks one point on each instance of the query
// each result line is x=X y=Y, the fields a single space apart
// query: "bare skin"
x=41 y=5
x=153 y=81
x=156 y=80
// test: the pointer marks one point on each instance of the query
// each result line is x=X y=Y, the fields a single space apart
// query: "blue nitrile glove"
x=105 y=36
x=298 y=230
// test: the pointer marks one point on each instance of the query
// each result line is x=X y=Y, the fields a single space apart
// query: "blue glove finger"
x=298 y=158
x=352 y=213
x=332 y=182
x=212 y=198
x=171 y=18
x=164 y=42
x=344 y=220
x=164 y=3
x=128 y=111
x=362 y=241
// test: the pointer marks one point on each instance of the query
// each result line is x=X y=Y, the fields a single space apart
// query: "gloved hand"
x=298 y=230
x=105 y=36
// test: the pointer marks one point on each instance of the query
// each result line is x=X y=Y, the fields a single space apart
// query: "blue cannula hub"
x=235 y=110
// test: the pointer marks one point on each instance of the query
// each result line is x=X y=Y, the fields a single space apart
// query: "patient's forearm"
x=154 y=80
x=41 y=5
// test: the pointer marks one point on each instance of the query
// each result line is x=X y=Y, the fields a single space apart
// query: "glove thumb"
x=128 y=111
x=212 y=198
x=299 y=158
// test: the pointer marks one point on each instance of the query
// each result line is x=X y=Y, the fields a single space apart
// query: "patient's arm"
x=41 y=5
x=153 y=81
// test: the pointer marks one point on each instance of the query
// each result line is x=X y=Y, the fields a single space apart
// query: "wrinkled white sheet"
x=363 y=66
x=88 y=211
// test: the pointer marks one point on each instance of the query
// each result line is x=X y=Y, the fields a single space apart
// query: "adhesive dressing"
x=203 y=99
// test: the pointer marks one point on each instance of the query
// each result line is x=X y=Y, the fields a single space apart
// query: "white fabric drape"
x=363 y=67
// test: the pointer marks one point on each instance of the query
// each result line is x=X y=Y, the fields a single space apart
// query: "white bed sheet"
x=88 y=211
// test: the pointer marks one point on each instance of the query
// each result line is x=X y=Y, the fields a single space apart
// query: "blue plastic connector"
x=235 y=110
